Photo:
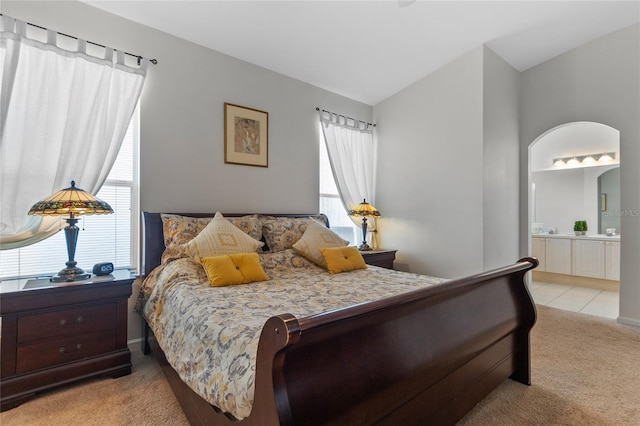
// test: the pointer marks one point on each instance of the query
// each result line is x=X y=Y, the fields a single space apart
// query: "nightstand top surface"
x=377 y=251
x=26 y=284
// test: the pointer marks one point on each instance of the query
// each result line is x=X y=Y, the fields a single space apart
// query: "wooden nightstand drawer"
x=382 y=258
x=66 y=322
x=54 y=352
x=53 y=334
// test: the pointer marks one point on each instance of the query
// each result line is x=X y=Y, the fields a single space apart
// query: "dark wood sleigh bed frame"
x=423 y=357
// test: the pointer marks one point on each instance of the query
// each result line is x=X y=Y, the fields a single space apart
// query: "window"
x=102 y=238
x=330 y=203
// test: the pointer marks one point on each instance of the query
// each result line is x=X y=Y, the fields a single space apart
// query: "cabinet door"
x=588 y=258
x=558 y=255
x=612 y=260
x=538 y=251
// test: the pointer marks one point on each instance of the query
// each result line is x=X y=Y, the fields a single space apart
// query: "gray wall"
x=448 y=172
x=430 y=172
x=500 y=161
x=182 y=160
x=181 y=125
x=600 y=82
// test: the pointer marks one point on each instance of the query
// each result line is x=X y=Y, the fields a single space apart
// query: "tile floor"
x=577 y=299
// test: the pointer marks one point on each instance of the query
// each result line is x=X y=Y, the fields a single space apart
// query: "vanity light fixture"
x=589 y=160
x=574 y=162
x=584 y=160
x=607 y=157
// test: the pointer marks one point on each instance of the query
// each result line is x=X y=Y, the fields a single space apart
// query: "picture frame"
x=246 y=136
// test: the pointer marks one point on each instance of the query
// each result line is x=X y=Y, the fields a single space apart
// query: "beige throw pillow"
x=220 y=237
x=315 y=238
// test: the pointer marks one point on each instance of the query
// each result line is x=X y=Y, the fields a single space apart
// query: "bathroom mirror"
x=609 y=202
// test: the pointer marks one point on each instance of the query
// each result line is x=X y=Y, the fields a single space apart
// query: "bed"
x=398 y=348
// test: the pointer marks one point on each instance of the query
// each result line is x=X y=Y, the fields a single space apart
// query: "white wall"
x=430 y=173
x=597 y=82
x=181 y=125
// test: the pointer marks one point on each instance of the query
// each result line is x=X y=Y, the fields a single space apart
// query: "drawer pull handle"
x=63 y=322
x=64 y=350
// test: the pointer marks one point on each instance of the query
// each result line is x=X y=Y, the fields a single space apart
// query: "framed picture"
x=246 y=136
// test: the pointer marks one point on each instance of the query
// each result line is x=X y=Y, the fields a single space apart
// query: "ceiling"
x=369 y=50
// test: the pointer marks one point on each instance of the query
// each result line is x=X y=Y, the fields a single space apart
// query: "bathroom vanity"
x=588 y=261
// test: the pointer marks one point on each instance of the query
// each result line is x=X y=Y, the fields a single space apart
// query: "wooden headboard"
x=153 y=238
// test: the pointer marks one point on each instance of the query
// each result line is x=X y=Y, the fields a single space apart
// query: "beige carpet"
x=586 y=371
x=141 y=398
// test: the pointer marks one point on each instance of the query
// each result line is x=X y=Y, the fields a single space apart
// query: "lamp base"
x=364 y=247
x=70 y=274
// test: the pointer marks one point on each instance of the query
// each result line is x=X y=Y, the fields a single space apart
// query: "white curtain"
x=350 y=145
x=63 y=117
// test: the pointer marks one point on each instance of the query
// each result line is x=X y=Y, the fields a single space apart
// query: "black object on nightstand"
x=379 y=257
x=55 y=333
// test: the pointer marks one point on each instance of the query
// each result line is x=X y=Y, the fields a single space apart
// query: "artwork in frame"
x=246 y=136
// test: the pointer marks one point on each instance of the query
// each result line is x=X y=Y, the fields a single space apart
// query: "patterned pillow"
x=179 y=230
x=282 y=233
x=249 y=224
x=277 y=264
x=317 y=237
x=220 y=237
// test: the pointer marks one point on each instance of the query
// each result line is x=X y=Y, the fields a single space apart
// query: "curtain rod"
x=344 y=116
x=153 y=61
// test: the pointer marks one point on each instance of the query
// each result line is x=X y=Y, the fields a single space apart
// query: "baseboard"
x=134 y=341
x=629 y=321
x=577 y=281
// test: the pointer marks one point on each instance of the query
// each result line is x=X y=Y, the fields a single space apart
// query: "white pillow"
x=220 y=237
x=317 y=237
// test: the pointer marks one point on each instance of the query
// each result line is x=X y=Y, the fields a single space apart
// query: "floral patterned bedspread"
x=210 y=334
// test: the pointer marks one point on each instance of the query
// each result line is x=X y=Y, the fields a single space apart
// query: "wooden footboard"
x=425 y=357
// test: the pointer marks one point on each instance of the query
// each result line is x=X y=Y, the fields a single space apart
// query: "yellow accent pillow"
x=316 y=237
x=233 y=269
x=343 y=259
x=220 y=237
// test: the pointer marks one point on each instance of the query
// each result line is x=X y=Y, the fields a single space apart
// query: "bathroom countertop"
x=579 y=237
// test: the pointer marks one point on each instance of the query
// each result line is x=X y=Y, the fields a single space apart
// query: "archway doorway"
x=576 y=272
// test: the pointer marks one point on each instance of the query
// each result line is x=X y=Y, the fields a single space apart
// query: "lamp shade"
x=364 y=209
x=70 y=201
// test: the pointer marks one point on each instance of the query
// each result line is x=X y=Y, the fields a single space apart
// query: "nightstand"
x=56 y=333
x=379 y=257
